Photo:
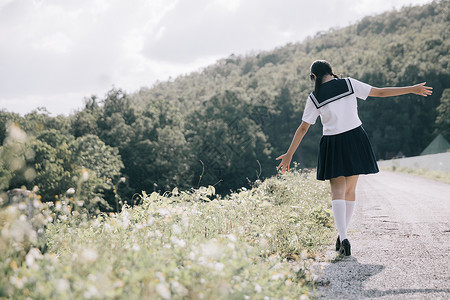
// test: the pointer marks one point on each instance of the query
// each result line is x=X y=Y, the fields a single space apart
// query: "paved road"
x=400 y=237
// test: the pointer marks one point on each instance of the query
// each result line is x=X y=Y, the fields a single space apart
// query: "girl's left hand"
x=422 y=90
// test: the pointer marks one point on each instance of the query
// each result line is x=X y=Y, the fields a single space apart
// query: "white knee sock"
x=349 y=207
x=339 y=212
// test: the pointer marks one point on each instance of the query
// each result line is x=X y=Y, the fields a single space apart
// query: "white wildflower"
x=163 y=212
x=278 y=266
x=185 y=219
x=85 y=175
x=11 y=210
x=118 y=284
x=181 y=243
x=125 y=220
x=263 y=243
x=96 y=223
x=232 y=237
x=91 y=292
x=177 y=241
x=178 y=288
x=32 y=255
x=17 y=282
x=211 y=250
x=160 y=276
x=22 y=206
x=219 y=266
x=37 y=204
x=176 y=229
x=107 y=227
x=277 y=276
x=70 y=191
x=136 y=247
x=62 y=285
x=163 y=291
x=258 y=288
x=89 y=255
x=16 y=133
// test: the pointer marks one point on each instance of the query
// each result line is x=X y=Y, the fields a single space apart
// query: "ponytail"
x=320 y=68
x=317 y=84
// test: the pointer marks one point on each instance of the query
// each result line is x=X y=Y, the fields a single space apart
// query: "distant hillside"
x=394 y=48
x=226 y=124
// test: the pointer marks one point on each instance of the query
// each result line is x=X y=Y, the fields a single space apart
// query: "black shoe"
x=345 y=248
x=338 y=244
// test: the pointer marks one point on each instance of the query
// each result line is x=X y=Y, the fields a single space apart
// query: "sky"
x=55 y=53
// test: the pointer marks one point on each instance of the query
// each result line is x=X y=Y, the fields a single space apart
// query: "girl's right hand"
x=285 y=162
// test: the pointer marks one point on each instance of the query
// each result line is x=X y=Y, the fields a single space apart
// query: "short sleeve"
x=362 y=90
x=310 y=113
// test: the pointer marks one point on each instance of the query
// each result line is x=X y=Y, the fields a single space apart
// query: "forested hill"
x=226 y=124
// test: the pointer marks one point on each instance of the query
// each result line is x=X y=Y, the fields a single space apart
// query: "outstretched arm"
x=287 y=157
x=419 y=89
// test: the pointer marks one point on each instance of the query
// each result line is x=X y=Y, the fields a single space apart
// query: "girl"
x=344 y=151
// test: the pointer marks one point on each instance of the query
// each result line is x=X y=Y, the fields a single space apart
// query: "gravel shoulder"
x=400 y=237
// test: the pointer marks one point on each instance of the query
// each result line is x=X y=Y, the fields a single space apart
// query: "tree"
x=96 y=171
x=85 y=121
x=115 y=122
x=228 y=145
x=443 y=110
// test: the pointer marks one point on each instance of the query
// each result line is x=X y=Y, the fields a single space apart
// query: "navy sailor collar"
x=331 y=91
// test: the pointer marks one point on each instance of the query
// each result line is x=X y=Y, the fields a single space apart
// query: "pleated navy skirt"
x=346 y=154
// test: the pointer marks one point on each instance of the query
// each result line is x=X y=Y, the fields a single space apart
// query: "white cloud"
x=57 y=43
x=53 y=53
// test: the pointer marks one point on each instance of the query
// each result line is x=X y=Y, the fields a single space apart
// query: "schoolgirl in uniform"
x=344 y=151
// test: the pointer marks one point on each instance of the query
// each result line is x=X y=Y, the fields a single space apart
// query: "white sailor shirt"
x=337 y=108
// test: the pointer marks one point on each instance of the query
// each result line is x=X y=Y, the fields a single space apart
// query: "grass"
x=435 y=175
x=253 y=244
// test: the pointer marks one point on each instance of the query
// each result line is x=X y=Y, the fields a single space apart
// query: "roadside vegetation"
x=252 y=244
x=431 y=174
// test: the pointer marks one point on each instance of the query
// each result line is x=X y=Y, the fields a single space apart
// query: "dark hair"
x=320 y=68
